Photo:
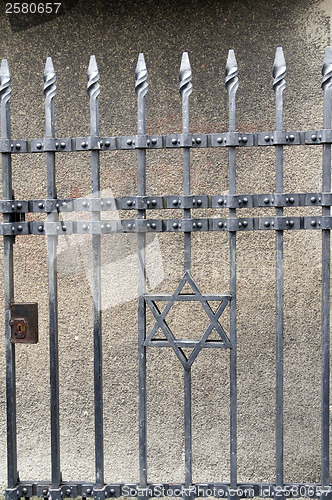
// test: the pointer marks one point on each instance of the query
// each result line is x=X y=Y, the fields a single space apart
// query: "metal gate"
x=21 y=320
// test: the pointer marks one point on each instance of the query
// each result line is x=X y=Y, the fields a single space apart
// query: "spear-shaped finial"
x=93 y=85
x=279 y=71
x=5 y=80
x=49 y=79
x=231 y=79
x=327 y=69
x=185 y=76
x=141 y=76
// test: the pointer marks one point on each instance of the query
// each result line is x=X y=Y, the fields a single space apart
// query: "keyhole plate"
x=24 y=323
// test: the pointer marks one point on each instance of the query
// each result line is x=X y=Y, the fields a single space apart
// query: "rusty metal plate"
x=24 y=323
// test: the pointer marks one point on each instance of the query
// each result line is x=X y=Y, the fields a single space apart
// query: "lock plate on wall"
x=24 y=323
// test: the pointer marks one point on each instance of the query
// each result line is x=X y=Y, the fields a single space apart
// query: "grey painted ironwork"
x=232 y=84
x=141 y=87
x=279 y=85
x=93 y=89
x=223 y=215
x=7 y=193
x=52 y=240
x=326 y=258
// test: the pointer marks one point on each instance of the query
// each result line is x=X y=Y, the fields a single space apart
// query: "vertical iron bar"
x=8 y=241
x=232 y=84
x=93 y=88
x=50 y=91
x=326 y=255
x=279 y=85
x=141 y=88
x=185 y=91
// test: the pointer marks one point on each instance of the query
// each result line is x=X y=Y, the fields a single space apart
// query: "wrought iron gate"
x=21 y=322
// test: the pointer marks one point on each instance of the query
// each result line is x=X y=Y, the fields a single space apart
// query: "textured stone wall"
x=116 y=32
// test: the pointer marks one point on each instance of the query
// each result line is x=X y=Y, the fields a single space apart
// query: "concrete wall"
x=116 y=32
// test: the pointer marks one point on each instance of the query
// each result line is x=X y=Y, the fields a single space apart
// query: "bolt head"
x=68 y=492
x=154 y=202
x=199 y=225
x=313 y=199
x=88 y=491
x=101 y=144
x=85 y=227
x=129 y=142
x=174 y=141
x=266 y=223
x=108 y=203
x=13 y=229
x=39 y=145
x=291 y=223
x=62 y=145
x=129 y=203
x=129 y=226
x=83 y=144
x=244 y=223
x=154 y=141
x=175 y=225
x=198 y=140
x=24 y=491
x=40 y=229
x=220 y=224
x=313 y=223
x=108 y=226
x=57 y=145
x=314 y=137
x=266 y=201
x=175 y=202
x=292 y=137
x=244 y=139
x=85 y=204
x=40 y=205
x=245 y=200
x=291 y=200
x=64 y=228
x=19 y=206
x=153 y=225
x=267 y=138
x=220 y=201
x=112 y=491
x=18 y=146
x=219 y=140
x=20 y=228
x=44 y=493
x=107 y=144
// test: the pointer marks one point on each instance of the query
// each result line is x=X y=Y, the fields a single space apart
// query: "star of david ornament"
x=179 y=344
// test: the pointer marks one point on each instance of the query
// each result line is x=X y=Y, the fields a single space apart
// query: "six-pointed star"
x=176 y=344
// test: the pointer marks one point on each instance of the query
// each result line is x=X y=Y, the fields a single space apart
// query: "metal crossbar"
x=224 y=208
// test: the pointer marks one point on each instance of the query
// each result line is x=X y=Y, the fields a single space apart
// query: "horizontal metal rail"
x=218 y=490
x=188 y=140
x=277 y=223
x=169 y=202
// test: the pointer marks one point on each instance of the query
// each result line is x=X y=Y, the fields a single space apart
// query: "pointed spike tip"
x=328 y=54
x=185 y=63
x=279 y=59
x=141 y=66
x=231 y=60
x=93 y=68
x=49 y=68
x=4 y=68
x=327 y=59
